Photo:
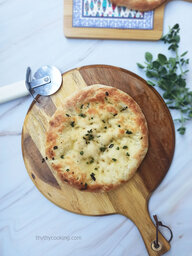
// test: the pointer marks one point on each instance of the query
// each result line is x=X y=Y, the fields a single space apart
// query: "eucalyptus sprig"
x=169 y=73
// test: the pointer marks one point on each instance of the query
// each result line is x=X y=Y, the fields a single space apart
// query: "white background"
x=31 y=34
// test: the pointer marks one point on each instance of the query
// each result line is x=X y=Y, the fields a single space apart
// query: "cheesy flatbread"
x=97 y=139
x=140 y=5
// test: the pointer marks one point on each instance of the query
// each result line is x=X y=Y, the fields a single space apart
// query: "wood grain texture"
x=131 y=198
x=107 y=33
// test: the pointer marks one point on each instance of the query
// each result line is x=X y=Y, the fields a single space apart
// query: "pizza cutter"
x=46 y=81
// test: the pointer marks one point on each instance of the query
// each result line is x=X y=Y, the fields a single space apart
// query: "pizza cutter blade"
x=46 y=81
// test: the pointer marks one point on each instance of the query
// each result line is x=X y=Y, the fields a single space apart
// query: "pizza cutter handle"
x=13 y=91
x=140 y=216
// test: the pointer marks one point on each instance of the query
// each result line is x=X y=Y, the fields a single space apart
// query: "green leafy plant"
x=169 y=73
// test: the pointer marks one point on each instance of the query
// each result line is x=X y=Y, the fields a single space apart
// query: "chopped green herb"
x=67 y=170
x=127 y=154
x=84 y=186
x=89 y=136
x=81 y=106
x=114 y=159
x=72 y=124
x=81 y=153
x=55 y=147
x=92 y=117
x=98 y=136
x=111 y=145
x=82 y=115
x=128 y=132
x=105 y=127
x=93 y=176
x=117 y=148
x=96 y=168
x=125 y=147
x=123 y=108
x=92 y=160
x=103 y=121
x=46 y=158
x=62 y=156
x=119 y=125
x=43 y=160
x=90 y=131
x=115 y=114
x=102 y=149
x=53 y=158
x=67 y=115
x=107 y=94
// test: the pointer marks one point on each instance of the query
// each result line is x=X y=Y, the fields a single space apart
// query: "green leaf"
x=177 y=38
x=163 y=71
x=190 y=114
x=173 y=77
x=151 y=74
x=148 y=56
x=184 y=110
x=150 y=83
x=181 y=130
x=156 y=64
x=173 y=47
x=172 y=61
x=166 y=95
x=181 y=82
x=176 y=26
x=140 y=66
x=183 y=54
x=162 y=59
x=173 y=107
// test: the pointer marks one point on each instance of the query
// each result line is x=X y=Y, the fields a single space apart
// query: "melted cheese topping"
x=99 y=142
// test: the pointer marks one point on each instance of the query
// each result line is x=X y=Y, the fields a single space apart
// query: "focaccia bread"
x=140 y=5
x=97 y=139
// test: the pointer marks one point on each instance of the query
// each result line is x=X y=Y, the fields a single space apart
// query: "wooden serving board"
x=129 y=199
x=108 y=33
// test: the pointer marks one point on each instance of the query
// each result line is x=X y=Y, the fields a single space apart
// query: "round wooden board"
x=129 y=199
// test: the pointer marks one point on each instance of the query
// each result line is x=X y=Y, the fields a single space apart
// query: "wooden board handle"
x=148 y=233
x=139 y=214
x=135 y=206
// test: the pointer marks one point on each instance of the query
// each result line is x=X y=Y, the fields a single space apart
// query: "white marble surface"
x=32 y=34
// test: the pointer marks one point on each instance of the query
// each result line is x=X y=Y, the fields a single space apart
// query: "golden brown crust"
x=97 y=99
x=140 y=5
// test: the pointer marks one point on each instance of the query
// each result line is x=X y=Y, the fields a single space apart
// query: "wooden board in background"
x=129 y=199
x=106 y=33
x=109 y=33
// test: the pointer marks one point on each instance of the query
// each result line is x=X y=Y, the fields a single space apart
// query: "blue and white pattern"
x=102 y=14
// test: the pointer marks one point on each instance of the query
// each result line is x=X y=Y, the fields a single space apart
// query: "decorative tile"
x=103 y=14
